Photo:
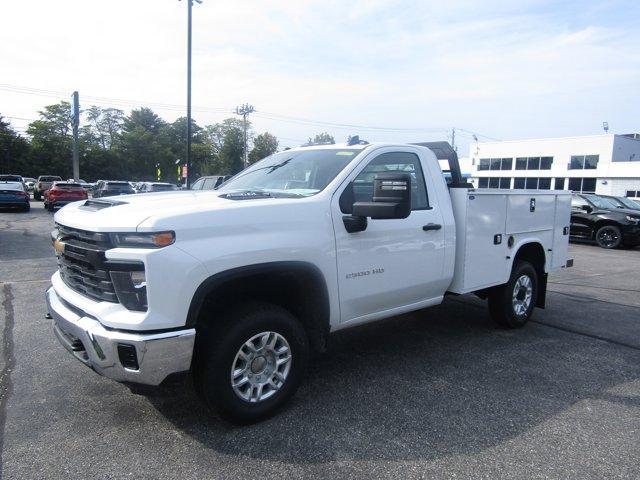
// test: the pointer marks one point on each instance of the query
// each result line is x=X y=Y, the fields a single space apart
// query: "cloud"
x=507 y=69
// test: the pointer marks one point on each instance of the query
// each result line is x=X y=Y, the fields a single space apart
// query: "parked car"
x=111 y=188
x=11 y=178
x=600 y=219
x=43 y=184
x=237 y=288
x=29 y=183
x=149 y=187
x=623 y=202
x=14 y=195
x=62 y=193
x=210 y=182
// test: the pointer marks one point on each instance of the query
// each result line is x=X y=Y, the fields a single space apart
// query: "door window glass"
x=393 y=162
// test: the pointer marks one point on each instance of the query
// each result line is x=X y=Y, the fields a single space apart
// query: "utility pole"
x=189 y=15
x=75 y=118
x=245 y=110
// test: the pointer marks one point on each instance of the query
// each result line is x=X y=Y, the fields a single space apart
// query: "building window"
x=531 y=183
x=544 y=184
x=633 y=193
x=518 y=183
x=582 y=185
x=534 y=163
x=559 y=184
x=584 y=162
x=494 y=182
x=495 y=164
x=505 y=182
x=483 y=182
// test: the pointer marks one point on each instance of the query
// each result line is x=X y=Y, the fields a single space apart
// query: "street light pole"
x=189 y=15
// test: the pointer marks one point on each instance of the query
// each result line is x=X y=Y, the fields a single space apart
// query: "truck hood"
x=126 y=212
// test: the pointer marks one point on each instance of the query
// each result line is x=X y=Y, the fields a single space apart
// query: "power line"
x=264 y=115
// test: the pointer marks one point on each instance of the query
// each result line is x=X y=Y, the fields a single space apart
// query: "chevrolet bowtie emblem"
x=58 y=246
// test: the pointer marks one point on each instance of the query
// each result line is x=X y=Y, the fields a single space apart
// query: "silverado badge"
x=58 y=246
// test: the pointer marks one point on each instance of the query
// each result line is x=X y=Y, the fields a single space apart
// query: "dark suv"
x=110 y=188
x=599 y=219
x=210 y=182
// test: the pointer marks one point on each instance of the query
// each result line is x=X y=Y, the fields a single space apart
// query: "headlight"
x=143 y=240
x=131 y=289
x=633 y=219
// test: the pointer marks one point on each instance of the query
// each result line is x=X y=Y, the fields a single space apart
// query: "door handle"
x=432 y=226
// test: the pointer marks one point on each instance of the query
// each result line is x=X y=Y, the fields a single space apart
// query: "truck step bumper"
x=143 y=358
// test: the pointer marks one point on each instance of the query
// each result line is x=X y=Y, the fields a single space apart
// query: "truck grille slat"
x=83 y=266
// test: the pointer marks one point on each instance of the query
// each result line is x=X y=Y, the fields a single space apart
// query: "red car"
x=62 y=193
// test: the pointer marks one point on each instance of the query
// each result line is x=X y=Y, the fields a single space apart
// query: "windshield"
x=49 y=179
x=160 y=187
x=10 y=178
x=628 y=203
x=601 y=202
x=297 y=173
x=119 y=187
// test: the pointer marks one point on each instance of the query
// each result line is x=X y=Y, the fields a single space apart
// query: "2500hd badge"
x=373 y=271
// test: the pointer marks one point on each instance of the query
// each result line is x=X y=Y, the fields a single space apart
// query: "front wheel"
x=609 y=236
x=249 y=367
x=511 y=305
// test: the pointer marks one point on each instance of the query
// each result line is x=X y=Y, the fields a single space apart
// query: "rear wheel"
x=26 y=208
x=253 y=364
x=511 y=305
x=609 y=236
x=36 y=196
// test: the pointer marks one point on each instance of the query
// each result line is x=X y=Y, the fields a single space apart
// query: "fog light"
x=128 y=356
x=131 y=289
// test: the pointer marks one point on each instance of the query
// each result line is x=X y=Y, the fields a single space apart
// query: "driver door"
x=394 y=264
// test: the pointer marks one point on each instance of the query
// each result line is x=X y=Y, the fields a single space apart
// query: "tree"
x=14 y=151
x=264 y=145
x=104 y=126
x=322 y=139
x=144 y=145
x=225 y=141
x=51 y=141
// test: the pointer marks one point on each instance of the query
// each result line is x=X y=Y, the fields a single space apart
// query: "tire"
x=512 y=304
x=218 y=353
x=609 y=236
x=26 y=208
x=36 y=196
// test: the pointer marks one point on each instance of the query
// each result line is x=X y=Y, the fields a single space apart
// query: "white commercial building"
x=606 y=164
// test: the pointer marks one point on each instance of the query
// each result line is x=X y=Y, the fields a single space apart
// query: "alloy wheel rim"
x=261 y=367
x=608 y=237
x=522 y=294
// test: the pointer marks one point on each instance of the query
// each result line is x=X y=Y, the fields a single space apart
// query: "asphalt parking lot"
x=440 y=393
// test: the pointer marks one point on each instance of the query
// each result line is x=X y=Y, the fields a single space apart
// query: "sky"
x=386 y=70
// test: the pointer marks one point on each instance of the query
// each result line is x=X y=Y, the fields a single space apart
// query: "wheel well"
x=601 y=223
x=295 y=286
x=534 y=254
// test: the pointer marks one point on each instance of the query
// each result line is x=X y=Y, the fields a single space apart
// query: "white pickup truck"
x=236 y=285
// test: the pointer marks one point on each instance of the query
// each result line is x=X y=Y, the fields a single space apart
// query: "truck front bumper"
x=142 y=358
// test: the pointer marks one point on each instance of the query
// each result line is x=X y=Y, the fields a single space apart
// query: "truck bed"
x=492 y=224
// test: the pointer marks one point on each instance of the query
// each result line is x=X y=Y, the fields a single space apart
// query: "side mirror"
x=391 y=197
x=586 y=208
